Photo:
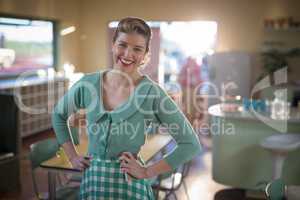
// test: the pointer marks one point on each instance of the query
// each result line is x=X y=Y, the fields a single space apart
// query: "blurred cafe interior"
x=231 y=66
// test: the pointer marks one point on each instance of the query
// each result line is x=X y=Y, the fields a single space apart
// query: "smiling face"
x=129 y=51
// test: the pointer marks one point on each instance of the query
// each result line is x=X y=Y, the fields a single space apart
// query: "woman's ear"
x=146 y=59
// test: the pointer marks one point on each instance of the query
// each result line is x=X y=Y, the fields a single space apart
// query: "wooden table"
x=154 y=144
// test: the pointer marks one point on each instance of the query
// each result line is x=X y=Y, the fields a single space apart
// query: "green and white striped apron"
x=104 y=180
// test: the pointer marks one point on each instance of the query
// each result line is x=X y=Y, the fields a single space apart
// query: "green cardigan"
x=124 y=128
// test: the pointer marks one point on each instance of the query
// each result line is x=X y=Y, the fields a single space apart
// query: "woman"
x=121 y=105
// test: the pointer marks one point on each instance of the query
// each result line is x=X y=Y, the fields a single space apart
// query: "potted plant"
x=275 y=59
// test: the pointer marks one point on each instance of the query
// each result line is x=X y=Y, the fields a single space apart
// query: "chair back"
x=276 y=190
x=42 y=151
x=172 y=181
x=48 y=148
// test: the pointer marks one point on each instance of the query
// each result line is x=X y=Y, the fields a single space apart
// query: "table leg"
x=52 y=185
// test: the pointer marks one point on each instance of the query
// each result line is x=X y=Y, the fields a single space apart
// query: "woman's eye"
x=122 y=45
x=138 y=49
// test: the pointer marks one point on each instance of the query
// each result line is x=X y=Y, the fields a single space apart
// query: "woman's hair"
x=134 y=25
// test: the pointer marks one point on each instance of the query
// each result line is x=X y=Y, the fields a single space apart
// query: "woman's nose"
x=128 y=53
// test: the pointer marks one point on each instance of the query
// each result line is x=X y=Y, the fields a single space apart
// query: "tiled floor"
x=199 y=182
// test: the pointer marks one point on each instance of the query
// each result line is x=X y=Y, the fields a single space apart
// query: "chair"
x=169 y=183
x=280 y=145
x=40 y=152
x=276 y=190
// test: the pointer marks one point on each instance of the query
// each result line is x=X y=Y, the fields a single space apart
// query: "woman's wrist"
x=71 y=158
x=153 y=170
x=70 y=151
x=148 y=173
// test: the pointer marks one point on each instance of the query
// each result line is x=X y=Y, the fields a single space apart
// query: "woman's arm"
x=174 y=121
x=70 y=103
x=158 y=168
x=66 y=106
x=188 y=146
x=77 y=161
x=130 y=165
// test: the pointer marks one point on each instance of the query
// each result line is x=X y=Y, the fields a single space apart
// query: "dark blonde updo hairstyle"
x=134 y=25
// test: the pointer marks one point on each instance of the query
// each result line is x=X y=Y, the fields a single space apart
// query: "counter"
x=238 y=159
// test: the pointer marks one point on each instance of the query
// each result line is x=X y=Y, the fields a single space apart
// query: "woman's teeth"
x=126 y=62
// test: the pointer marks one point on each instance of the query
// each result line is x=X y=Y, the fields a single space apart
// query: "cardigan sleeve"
x=68 y=104
x=171 y=117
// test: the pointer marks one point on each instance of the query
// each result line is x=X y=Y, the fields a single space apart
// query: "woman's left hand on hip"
x=131 y=166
